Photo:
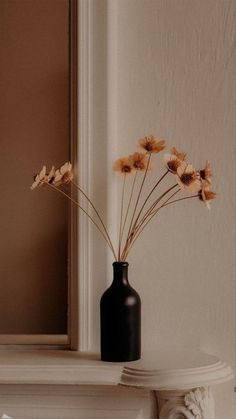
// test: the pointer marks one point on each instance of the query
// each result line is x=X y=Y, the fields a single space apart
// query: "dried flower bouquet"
x=139 y=208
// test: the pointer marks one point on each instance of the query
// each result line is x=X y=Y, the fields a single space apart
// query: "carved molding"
x=173 y=411
x=191 y=404
x=200 y=403
x=171 y=405
x=179 y=370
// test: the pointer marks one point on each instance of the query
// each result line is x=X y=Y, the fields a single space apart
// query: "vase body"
x=120 y=311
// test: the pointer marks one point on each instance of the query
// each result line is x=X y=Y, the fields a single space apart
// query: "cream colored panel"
x=51 y=402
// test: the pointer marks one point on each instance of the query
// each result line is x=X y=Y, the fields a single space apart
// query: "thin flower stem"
x=165 y=204
x=121 y=215
x=151 y=208
x=97 y=213
x=180 y=199
x=147 y=198
x=85 y=212
x=139 y=194
x=139 y=225
x=148 y=212
x=129 y=203
x=132 y=231
x=168 y=202
x=153 y=214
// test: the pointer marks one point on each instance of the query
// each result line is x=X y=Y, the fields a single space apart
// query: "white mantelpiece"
x=51 y=381
x=171 y=369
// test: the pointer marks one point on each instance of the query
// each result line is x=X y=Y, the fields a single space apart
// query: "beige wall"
x=34 y=131
x=171 y=72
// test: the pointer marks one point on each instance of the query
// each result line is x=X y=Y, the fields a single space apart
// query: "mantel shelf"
x=174 y=369
x=159 y=370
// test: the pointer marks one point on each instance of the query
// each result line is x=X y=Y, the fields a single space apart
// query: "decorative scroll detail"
x=200 y=403
x=171 y=405
x=173 y=411
x=196 y=402
x=191 y=404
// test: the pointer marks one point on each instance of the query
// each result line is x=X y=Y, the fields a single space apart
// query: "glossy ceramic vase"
x=120 y=310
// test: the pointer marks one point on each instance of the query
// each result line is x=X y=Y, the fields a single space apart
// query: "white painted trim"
x=112 y=123
x=73 y=277
x=84 y=171
x=89 y=90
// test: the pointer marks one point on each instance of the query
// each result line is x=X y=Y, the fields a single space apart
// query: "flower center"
x=203 y=174
x=126 y=169
x=173 y=166
x=149 y=147
x=138 y=164
x=187 y=178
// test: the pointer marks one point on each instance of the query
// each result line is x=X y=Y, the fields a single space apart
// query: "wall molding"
x=73 y=320
x=95 y=121
x=83 y=158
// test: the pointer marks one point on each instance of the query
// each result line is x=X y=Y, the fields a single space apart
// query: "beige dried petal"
x=179 y=154
x=172 y=162
x=206 y=173
x=152 y=144
x=138 y=161
x=67 y=167
x=40 y=178
x=188 y=178
x=123 y=165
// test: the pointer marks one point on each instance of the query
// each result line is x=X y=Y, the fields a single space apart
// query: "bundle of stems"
x=139 y=207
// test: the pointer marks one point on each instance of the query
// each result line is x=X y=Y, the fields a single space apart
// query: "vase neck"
x=120 y=273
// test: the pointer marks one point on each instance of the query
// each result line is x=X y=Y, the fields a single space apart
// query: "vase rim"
x=120 y=263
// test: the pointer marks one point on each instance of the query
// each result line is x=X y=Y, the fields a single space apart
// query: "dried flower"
x=206 y=173
x=179 y=154
x=139 y=161
x=123 y=165
x=51 y=175
x=172 y=163
x=174 y=160
x=138 y=207
x=43 y=178
x=151 y=144
x=63 y=175
x=206 y=195
x=188 y=178
x=40 y=178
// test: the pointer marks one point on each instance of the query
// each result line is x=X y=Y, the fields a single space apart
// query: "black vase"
x=120 y=310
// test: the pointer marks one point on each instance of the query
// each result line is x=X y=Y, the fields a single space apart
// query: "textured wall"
x=171 y=72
